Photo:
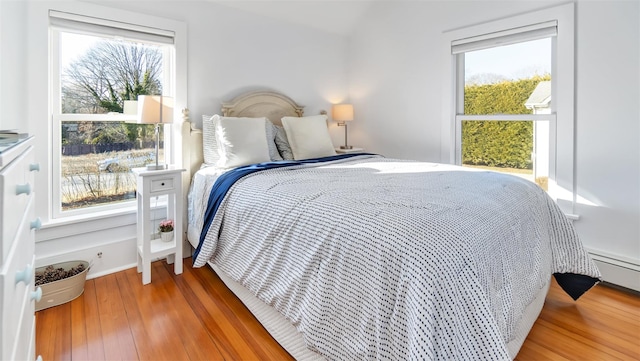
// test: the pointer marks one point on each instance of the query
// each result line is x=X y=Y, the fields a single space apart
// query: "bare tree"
x=101 y=80
x=108 y=74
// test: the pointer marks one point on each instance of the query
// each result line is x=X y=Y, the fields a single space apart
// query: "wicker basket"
x=62 y=291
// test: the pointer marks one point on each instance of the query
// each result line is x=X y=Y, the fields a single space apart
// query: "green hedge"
x=499 y=144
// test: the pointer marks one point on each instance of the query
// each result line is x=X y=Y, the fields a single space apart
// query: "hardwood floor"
x=195 y=317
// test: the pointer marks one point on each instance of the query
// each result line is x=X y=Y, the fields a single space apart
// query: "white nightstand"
x=352 y=150
x=153 y=183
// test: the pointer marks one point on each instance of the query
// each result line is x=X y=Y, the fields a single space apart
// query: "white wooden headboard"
x=192 y=157
x=268 y=104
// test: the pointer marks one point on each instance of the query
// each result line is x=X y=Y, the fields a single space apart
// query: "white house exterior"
x=540 y=102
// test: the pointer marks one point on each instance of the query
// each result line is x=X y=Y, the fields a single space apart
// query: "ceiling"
x=334 y=16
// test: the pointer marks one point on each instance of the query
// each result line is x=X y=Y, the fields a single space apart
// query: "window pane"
x=520 y=148
x=97 y=158
x=96 y=76
x=500 y=80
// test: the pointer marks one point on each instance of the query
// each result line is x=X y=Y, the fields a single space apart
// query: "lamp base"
x=346 y=147
x=156 y=167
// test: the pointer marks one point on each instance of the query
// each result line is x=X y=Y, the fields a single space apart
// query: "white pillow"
x=308 y=136
x=210 y=144
x=241 y=141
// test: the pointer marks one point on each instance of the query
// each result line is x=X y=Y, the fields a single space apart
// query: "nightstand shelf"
x=159 y=249
x=155 y=183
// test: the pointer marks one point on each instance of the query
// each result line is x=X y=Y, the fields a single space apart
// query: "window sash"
x=550 y=118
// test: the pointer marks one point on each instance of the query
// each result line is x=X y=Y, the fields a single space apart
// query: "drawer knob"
x=25 y=275
x=36 y=224
x=37 y=294
x=23 y=188
x=34 y=166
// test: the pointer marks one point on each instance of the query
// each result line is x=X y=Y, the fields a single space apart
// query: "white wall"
x=12 y=69
x=608 y=130
x=395 y=77
x=230 y=51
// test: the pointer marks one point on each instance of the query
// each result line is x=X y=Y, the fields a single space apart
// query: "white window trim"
x=37 y=50
x=563 y=87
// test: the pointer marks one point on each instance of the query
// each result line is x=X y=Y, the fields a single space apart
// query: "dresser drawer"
x=24 y=343
x=16 y=190
x=15 y=294
x=163 y=184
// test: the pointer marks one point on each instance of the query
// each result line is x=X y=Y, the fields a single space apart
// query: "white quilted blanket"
x=374 y=258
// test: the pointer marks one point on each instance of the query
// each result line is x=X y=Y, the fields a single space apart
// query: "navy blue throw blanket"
x=575 y=285
x=228 y=179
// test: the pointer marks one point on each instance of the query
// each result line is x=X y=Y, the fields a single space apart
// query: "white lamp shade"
x=154 y=109
x=342 y=112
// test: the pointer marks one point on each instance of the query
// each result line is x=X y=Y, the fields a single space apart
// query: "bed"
x=358 y=256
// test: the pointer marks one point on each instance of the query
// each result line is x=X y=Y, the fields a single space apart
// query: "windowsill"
x=71 y=220
x=93 y=222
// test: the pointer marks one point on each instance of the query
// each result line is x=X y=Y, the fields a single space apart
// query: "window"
x=97 y=65
x=511 y=103
x=513 y=81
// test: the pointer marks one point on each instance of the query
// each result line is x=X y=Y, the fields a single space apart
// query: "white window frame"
x=56 y=86
x=39 y=42
x=561 y=120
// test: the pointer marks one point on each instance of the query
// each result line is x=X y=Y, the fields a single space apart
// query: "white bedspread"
x=374 y=258
x=197 y=198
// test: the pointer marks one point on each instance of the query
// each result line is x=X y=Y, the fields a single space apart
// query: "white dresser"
x=18 y=223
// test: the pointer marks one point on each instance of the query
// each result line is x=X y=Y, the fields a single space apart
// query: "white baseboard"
x=619 y=270
x=104 y=258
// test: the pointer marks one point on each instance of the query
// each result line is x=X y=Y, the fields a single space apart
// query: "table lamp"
x=155 y=109
x=343 y=113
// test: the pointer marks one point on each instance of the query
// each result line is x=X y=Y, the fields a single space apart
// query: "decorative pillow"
x=308 y=136
x=271 y=138
x=209 y=142
x=241 y=141
x=282 y=143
